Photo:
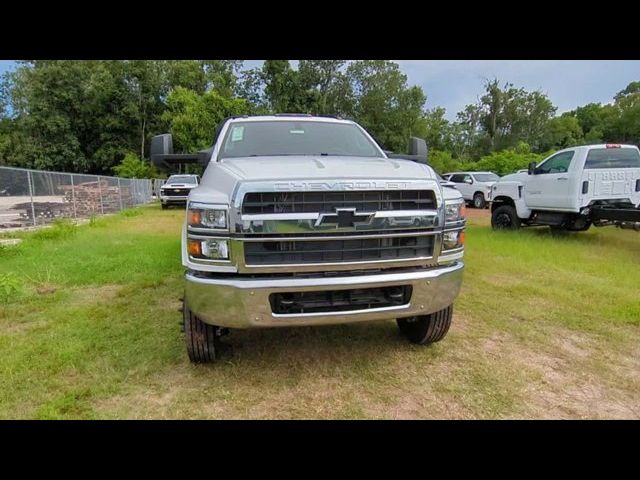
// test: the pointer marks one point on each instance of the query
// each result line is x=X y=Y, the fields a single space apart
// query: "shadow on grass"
x=327 y=347
x=623 y=238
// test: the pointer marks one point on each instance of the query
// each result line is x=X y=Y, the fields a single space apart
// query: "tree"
x=384 y=104
x=133 y=166
x=193 y=118
x=438 y=129
x=507 y=161
x=222 y=76
x=84 y=116
x=326 y=85
x=250 y=87
x=562 y=132
x=443 y=162
x=505 y=116
x=630 y=90
x=467 y=130
x=598 y=122
x=627 y=125
x=281 y=87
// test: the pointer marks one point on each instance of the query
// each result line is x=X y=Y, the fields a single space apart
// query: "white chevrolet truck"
x=303 y=220
x=572 y=189
x=175 y=190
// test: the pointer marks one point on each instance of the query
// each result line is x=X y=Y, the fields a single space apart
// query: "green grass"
x=545 y=326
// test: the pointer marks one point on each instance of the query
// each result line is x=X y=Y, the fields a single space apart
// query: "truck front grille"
x=283 y=252
x=176 y=192
x=364 y=201
x=300 y=303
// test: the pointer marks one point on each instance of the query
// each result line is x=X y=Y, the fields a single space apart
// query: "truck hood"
x=313 y=168
x=179 y=185
x=513 y=177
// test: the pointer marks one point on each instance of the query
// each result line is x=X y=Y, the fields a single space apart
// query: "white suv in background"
x=475 y=187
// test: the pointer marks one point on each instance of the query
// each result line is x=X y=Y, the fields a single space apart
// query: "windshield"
x=182 y=179
x=290 y=137
x=486 y=177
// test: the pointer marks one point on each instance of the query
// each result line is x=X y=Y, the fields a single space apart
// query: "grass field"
x=545 y=327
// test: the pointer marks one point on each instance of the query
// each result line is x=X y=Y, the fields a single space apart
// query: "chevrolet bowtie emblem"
x=344 y=218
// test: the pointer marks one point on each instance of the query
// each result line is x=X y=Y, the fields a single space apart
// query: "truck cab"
x=303 y=220
x=572 y=189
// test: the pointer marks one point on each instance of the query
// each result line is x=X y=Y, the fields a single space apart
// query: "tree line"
x=99 y=116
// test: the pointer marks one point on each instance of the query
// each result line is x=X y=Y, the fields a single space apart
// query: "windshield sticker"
x=237 y=134
x=296 y=132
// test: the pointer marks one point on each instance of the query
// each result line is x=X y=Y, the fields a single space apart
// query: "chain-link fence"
x=157 y=183
x=34 y=197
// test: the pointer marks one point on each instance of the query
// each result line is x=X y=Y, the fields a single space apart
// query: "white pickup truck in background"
x=572 y=189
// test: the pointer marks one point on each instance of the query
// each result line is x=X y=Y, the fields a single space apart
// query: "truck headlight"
x=200 y=215
x=453 y=211
x=451 y=240
x=210 y=248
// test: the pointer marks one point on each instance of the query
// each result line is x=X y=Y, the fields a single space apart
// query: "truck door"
x=462 y=182
x=551 y=187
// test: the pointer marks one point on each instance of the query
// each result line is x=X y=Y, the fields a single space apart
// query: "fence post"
x=33 y=210
x=120 y=193
x=73 y=197
x=100 y=192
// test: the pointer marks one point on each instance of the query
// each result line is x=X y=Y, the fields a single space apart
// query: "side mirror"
x=418 y=147
x=532 y=168
x=161 y=145
x=469 y=181
x=162 y=156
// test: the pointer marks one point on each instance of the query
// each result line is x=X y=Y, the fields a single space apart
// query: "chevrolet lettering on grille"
x=344 y=218
x=328 y=186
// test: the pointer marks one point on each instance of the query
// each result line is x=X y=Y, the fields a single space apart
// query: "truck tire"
x=202 y=339
x=479 y=201
x=505 y=217
x=426 y=329
x=164 y=206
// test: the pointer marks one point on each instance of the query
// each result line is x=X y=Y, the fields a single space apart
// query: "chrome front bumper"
x=173 y=198
x=240 y=302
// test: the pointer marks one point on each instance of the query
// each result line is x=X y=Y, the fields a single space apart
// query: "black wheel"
x=202 y=339
x=426 y=329
x=479 y=201
x=505 y=217
x=164 y=206
x=580 y=224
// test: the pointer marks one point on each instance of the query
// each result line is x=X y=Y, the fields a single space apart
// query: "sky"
x=452 y=84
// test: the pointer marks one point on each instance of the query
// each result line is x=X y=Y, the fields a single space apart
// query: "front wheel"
x=203 y=340
x=505 y=217
x=164 y=206
x=479 y=201
x=426 y=329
